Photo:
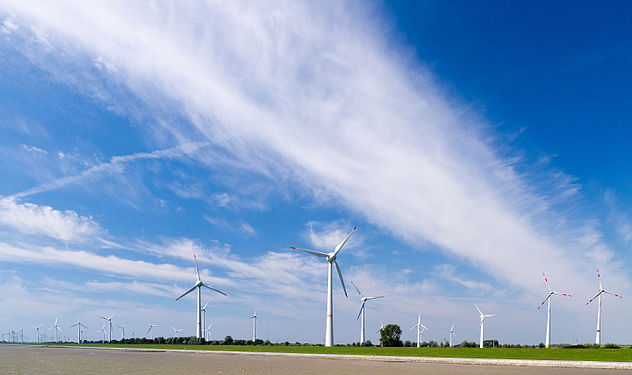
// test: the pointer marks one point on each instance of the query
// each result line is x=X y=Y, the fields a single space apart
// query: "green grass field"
x=608 y=355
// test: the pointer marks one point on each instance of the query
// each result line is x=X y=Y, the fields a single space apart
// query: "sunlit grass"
x=609 y=355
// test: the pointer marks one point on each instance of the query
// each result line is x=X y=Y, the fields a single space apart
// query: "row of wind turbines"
x=329 y=326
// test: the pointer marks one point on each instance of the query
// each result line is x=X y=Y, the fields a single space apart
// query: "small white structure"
x=601 y=291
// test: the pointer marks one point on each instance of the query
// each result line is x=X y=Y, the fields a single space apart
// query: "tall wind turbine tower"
x=176 y=331
x=363 y=299
x=198 y=285
x=451 y=334
x=56 y=327
x=548 y=318
x=102 y=330
x=601 y=291
x=420 y=330
x=483 y=316
x=204 y=318
x=37 y=328
x=208 y=331
x=254 y=325
x=123 y=329
x=79 y=325
x=150 y=330
x=331 y=260
x=109 y=319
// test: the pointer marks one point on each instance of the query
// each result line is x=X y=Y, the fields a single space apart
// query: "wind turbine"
x=56 y=327
x=483 y=316
x=123 y=329
x=601 y=291
x=102 y=330
x=254 y=326
x=420 y=330
x=331 y=260
x=451 y=334
x=38 y=335
x=150 y=330
x=175 y=331
x=109 y=319
x=199 y=284
x=548 y=316
x=208 y=331
x=204 y=320
x=363 y=299
x=79 y=325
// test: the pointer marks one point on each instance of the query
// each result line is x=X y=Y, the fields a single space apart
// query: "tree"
x=390 y=335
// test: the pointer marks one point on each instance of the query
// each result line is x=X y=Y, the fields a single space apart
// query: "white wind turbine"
x=601 y=291
x=254 y=326
x=102 y=330
x=176 y=331
x=331 y=260
x=451 y=334
x=56 y=327
x=199 y=284
x=37 y=329
x=79 y=325
x=151 y=326
x=363 y=299
x=123 y=329
x=483 y=316
x=548 y=317
x=208 y=331
x=109 y=319
x=420 y=330
x=204 y=320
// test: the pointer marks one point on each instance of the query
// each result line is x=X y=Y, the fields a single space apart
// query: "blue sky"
x=474 y=146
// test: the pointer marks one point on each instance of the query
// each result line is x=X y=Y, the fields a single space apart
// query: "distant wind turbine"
x=548 y=315
x=254 y=326
x=109 y=319
x=176 y=331
x=38 y=335
x=420 y=330
x=151 y=326
x=601 y=291
x=102 y=330
x=363 y=299
x=56 y=327
x=207 y=334
x=331 y=260
x=204 y=316
x=451 y=334
x=199 y=284
x=483 y=316
x=123 y=329
x=78 y=325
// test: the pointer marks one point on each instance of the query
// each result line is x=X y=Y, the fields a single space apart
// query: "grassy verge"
x=608 y=355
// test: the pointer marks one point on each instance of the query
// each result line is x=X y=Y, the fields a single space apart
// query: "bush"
x=390 y=335
x=611 y=346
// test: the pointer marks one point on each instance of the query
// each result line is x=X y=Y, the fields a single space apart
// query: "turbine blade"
x=488 y=315
x=423 y=326
x=479 y=310
x=361 y=308
x=596 y=295
x=370 y=298
x=546 y=281
x=341 y=280
x=599 y=278
x=187 y=292
x=612 y=294
x=313 y=252
x=343 y=242
x=197 y=271
x=204 y=308
x=216 y=290
x=356 y=288
x=546 y=299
